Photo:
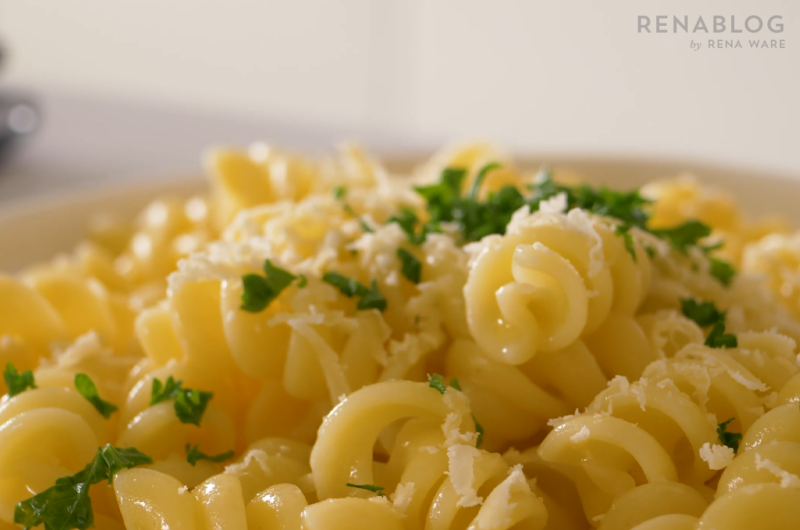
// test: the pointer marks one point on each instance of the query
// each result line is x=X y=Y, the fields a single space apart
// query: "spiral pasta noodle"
x=319 y=344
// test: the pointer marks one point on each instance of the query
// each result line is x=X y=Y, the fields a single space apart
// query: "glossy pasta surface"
x=318 y=344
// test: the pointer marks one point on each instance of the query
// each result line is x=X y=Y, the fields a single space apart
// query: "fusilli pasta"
x=319 y=344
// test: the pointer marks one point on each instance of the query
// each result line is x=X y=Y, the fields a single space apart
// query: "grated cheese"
x=258 y=455
x=402 y=496
x=788 y=480
x=580 y=436
x=461 y=470
x=716 y=456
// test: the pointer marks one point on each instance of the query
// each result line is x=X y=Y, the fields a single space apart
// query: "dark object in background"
x=19 y=117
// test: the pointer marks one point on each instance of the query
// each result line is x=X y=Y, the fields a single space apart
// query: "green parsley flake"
x=728 y=439
x=407 y=220
x=17 y=382
x=411 y=266
x=193 y=454
x=702 y=313
x=87 y=388
x=475 y=219
x=683 y=236
x=371 y=297
x=340 y=192
x=164 y=392
x=479 y=430
x=260 y=291
x=722 y=271
x=719 y=339
x=627 y=206
x=476 y=185
x=302 y=282
x=189 y=404
x=66 y=505
x=369 y=487
x=436 y=381
x=627 y=238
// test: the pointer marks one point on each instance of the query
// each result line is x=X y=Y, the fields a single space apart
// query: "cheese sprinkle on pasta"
x=320 y=344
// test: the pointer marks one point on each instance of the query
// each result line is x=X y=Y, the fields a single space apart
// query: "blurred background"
x=126 y=89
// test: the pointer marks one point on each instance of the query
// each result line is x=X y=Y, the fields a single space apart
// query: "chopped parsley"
x=340 y=192
x=706 y=314
x=260 y=291
x=371 y=297
x=475 y=219
x=302 y=281
x=164 y=391
x=18 y=382
x=728 y=439
x=67 y=505
x=719 y=339
x=189 y=404
x=369 y=487
x=193 y=454
x=87 y=388
x=627 y=239
x=722 y=271
x=703 y=313
x=408 y=222
x=683 y=236
x=436 y=382
x=627 y=206
x=476 y=185
x=479 y=430
x=411 y=266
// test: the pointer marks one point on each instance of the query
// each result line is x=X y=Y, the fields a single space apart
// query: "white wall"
x=567 y=75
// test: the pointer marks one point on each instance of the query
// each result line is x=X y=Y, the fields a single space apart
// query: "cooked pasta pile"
x=320 y=345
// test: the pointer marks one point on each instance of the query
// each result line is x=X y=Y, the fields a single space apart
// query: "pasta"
x=319 y=344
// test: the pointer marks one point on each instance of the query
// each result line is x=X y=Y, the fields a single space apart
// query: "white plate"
x=35 y=230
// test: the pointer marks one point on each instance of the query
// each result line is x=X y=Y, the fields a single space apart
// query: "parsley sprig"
x=17 y=382
x=706 y=314
x=260 y=291
x=719 y=339
x=193 y=454
x=189 y=404
x=369 y=487
x=703 y=313
x=67 y=505
x=340 y=192
x=476 y=219
x=408 y=220
x=86 y=387
x=436 y=381
x=411 y=267
x=728 y=439
x=370 y=297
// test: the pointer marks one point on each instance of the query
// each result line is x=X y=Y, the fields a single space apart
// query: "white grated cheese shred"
x=581 y=436
x=716 y=456
x=788 y=480
x=461 y=470
x=499 y=509
x=257 y=455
